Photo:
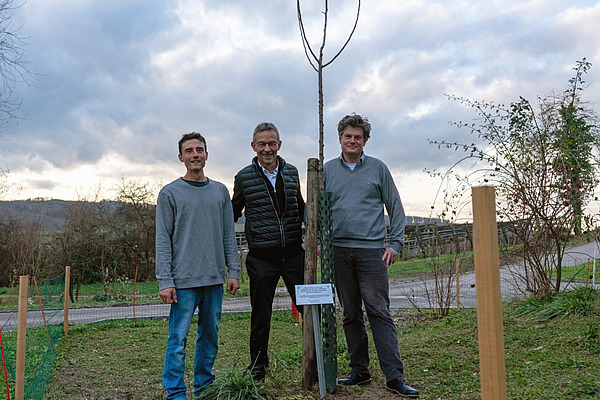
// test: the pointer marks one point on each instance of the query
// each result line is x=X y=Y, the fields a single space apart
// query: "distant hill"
x=52 y=214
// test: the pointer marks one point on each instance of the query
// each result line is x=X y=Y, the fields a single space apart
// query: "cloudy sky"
x=117 y=82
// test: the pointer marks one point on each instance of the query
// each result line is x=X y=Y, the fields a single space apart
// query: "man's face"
x=193 y=154
x=266 y=145
x=352 y=141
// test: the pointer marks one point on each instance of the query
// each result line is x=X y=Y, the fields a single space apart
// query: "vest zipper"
x=279 y=218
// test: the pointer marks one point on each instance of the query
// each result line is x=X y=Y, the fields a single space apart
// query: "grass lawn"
x=582 y=273
x=552 y=351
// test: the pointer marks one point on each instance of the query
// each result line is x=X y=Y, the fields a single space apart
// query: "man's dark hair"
x=190 y=136
x=265 y=126
x=357 y=121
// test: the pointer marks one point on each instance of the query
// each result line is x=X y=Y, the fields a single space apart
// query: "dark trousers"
x=361 y=277
x=264 y=276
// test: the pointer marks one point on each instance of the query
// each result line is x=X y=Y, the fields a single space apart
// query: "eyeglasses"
x=262 y=145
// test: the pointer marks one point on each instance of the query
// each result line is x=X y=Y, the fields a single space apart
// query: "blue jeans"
x=362 y=277
x=208 y=300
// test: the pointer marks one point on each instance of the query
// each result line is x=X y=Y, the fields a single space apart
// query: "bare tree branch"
x=318 y=65
x=349 y=36
x=13 y=62
x=305 y=42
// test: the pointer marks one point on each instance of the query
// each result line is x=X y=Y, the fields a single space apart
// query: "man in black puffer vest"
x=269 y=191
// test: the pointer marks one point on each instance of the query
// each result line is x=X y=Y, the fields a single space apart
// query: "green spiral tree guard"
x=328 y=325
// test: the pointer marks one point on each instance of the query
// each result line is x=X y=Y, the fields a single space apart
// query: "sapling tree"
x=318 y=62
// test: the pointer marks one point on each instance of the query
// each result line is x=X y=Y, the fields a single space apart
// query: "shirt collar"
x=359 y=162
x=266 y=171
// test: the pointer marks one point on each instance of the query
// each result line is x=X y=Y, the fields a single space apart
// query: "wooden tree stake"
x=489 y=297
x=309 y=361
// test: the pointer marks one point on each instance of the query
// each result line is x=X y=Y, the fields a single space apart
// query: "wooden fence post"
x=21 y=338
x=489 y=297
x=457 y=284
x=66 y=300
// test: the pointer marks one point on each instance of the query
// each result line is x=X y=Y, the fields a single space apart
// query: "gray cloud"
x=129 y=78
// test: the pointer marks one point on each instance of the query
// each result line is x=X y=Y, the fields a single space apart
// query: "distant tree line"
x=101 y=240
x=106 y=240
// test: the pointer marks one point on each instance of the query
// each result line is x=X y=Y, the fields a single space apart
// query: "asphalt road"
x=420 y=293
x=409 y=293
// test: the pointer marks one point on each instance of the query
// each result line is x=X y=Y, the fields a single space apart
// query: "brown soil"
x=374 y=390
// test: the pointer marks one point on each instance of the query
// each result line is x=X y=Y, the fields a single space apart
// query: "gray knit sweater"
x=195 y=236
x=358 y=197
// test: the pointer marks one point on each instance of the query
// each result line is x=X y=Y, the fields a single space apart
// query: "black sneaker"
x=401 y=387
x=356 y=378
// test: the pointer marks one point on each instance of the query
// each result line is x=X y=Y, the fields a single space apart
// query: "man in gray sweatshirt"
x=361 y=186
x=195 y=248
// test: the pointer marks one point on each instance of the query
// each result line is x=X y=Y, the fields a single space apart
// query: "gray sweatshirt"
x=195 y=236
x=358 y=197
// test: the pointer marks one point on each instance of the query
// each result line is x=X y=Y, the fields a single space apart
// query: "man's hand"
x=232 y=285
x=168 y=295
x=388 y=257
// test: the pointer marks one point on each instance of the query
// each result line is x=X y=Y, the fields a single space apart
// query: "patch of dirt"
x=403 y=317
x=374 y=390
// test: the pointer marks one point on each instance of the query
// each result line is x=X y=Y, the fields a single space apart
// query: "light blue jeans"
x=208 y=300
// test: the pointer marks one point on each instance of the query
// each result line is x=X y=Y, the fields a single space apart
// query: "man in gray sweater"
x=195 y=248
x=361 y=186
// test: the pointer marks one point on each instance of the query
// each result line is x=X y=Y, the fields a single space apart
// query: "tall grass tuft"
x=236 y=385
x=578 y=302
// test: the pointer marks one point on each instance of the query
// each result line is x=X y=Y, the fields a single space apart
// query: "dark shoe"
x=356 y=378
x=258 y=373
x=401 y=387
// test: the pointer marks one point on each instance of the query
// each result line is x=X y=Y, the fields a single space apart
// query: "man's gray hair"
x=265 y=126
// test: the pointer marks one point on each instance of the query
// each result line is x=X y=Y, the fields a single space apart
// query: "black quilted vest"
x=264 y=228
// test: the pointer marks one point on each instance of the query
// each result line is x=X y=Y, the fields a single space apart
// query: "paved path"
x=403 y=294
x=86 y=315
x=420 y=292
